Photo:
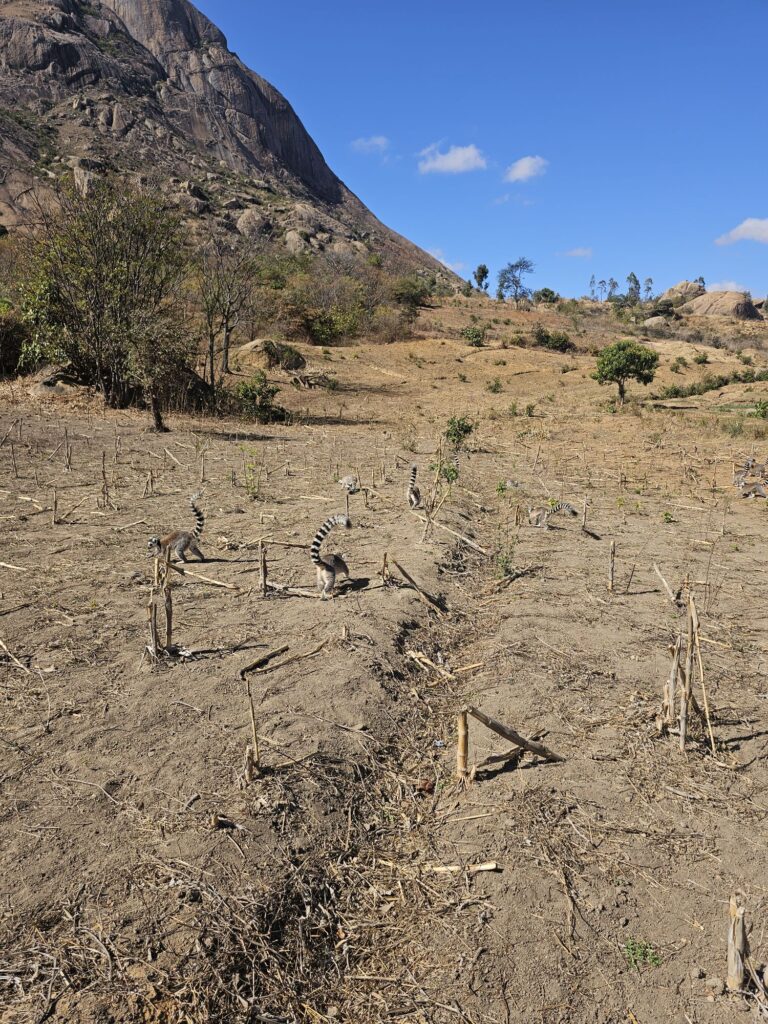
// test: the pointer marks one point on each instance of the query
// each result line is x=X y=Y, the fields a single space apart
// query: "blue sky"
x=593 y=138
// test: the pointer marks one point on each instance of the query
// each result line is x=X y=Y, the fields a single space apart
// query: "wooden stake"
x=262 y=569
x=55 y=508
x=737 y=946
x=611 y=567
x=168 y=603
x=705 y=698
x=670 y=688
x=688 y=679
x=253 y=747
x=462 y=749
x=13 y=460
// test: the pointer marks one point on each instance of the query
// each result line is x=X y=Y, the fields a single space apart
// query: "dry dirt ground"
x=143 y=879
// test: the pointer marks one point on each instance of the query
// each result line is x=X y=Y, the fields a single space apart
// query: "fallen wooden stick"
x=423 y=595
x=17 y=568
x=423 y=660
x=294 y=591
x=515 y=737
x=293 y=658
x=15 y=661
x=199 y=575
x=447 y=529
x=673 y=599
x=262 y=661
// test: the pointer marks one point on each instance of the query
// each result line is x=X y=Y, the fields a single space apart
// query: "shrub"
x=545 y=296
x=474 y=335
x=14 y=342
x=701 y=358
x=458 y=430
x=495 y=386
x=626 y=360
x=256 y=399
x=555 y=341
x=411 y=292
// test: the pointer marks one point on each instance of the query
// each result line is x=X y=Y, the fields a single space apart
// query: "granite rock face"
x=149 y=88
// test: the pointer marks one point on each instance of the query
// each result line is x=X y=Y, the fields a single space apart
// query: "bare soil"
x=142 y=879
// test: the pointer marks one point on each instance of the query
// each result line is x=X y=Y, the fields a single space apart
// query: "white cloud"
x=581 y=252
x=753 y=229
x=726 y=286
x=376 y=144
x=525 y=168
x=441 y=258
x=456 y=160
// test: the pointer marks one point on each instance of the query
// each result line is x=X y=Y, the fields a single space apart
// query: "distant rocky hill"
x=150 y=88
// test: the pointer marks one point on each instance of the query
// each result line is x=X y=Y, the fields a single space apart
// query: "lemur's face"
x=153 y=546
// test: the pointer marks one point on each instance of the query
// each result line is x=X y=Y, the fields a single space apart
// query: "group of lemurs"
x=755 y=488
x=327 y=567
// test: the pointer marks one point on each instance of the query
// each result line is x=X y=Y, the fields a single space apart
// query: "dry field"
x=143 y=878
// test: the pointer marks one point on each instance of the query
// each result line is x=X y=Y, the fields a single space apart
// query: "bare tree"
x=226 y=285
x=510 y=283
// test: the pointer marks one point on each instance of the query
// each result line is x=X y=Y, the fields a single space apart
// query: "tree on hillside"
x=700 y=281
x=648 y=288
x=613 y=287
x=592 y=287
x=510 y=281
x=104 y=291
x=481 y=277
x=626 y=360
x=633 y=287
x=601 y=286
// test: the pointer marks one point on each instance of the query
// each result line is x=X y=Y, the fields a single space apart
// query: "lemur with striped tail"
x=540 y=516
x=181 y=541
x=330 y=566
x=413 y=493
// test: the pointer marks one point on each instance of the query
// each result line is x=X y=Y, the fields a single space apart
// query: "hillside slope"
x=150 y=87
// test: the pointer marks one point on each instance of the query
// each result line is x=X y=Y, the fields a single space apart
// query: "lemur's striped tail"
x=322 y=533
x=563 y=506
x=199 y=517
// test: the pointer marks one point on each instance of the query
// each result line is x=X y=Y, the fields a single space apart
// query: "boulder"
x=270 y=353
x=295 y=243
x=733 y=304
x=683 y=291
x=252 y=223
x=655 y=322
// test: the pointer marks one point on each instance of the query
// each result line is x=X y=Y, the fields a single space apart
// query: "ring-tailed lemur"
x=350 y=484
x=329 y=566
x=181 y=541
x=413 y=493
x=540 y=516
x=754 y=490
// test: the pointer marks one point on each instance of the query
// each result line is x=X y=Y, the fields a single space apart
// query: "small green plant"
x=505 y=562
x=760 y=410
x=494 y=386
x=639 y=954
x=701 y=358
x=512 y=408
x=463 y=378
x=447 y=471
x=529 y=409
x=458 y=430
x=501 y=488
x=667 y=517
x=474 y=335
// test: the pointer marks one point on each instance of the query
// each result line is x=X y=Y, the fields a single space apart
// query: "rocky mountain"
x=149 y=88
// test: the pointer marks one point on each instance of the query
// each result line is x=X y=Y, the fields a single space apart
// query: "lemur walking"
x=540 y=516
x=181 y=541
x=330 y=566
x=413 y=493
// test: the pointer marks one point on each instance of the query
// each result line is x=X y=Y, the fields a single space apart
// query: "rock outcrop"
x=150 y=88
x=683 y=291
x=731 y=304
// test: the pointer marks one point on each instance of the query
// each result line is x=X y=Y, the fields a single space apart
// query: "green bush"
x=458 y=430
x=701 y=359
x=546 y=296
x=555 y=341
x=411 y=291
x=256 y=399
x=474 y=335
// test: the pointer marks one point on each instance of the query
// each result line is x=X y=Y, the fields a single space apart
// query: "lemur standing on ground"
x=540 y=516
x=181 y=541
x=330 y=566
x=413 y=493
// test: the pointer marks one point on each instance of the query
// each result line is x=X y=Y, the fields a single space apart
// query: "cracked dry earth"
x=339 y=885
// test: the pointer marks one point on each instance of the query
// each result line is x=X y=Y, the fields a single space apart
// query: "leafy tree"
x=648 y=288
x=546 y=296
x=510 y=283
x=613 y=286
x=633 y=287
x=104 y=284
x=626 y=360
x=601 y=286
x=467 y=289
x=592 y=287
x=481 y=277
x=411 y=292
